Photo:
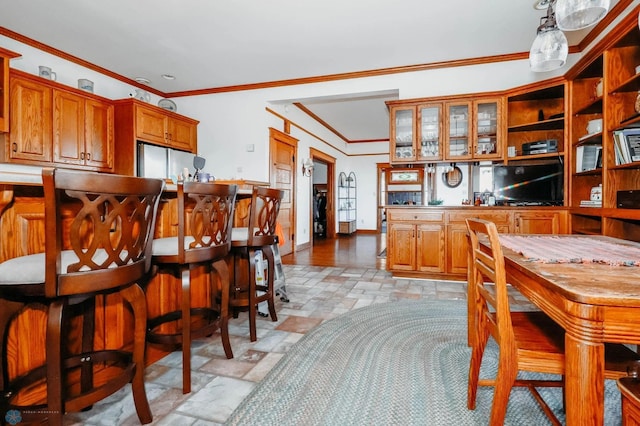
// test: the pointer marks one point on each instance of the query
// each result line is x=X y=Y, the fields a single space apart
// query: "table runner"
x=571 y=249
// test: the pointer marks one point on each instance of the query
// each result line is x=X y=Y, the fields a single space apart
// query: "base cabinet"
x=432 y=243
x=416 y=241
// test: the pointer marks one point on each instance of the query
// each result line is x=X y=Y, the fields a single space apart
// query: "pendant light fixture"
x=573 y=15
x=550 y=47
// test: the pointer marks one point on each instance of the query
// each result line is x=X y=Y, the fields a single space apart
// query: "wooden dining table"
x=594 y=299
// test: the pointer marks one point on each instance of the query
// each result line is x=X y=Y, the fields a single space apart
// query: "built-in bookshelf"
x=604 y=86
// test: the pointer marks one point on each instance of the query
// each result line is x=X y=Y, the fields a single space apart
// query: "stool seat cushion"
x=30 y=269
x=239 y=234
x=169 y=246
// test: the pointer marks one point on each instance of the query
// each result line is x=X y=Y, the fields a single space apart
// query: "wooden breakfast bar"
x=594 y=302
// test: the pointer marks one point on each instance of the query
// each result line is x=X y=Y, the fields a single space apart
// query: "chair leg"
x=136 y=299
x=88 y=329
x=268 y=252
x=253 y=306
x=505 y=379
x=222 y=270
x=477 y=352
x=186 y=329
x=55 y=379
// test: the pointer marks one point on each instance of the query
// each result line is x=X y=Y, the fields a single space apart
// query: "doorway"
x=322 y=221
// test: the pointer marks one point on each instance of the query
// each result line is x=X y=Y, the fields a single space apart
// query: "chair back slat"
x=98 y=230
x=489 y=281
x=265 y=206
x=205 y=220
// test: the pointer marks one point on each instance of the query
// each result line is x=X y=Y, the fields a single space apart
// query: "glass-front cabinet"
x=458 y=131
x=415 y=133
x=403 y=127
x=486 y=136
x=452 y=130
x=429 y=132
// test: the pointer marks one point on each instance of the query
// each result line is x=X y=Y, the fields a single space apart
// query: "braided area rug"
x=397 y=363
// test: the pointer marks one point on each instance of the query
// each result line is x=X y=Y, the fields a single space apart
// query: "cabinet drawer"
x=418 y=216
x=496 y=217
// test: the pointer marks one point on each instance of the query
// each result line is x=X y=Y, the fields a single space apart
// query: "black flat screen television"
x=531 y=184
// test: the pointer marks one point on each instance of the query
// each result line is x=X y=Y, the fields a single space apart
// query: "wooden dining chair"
x=527 y=341
x=97 y=242
x=205 y=219
x=259 y=235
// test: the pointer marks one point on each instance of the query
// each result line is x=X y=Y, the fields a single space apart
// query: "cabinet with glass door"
x=487 y=129
x=473 y=129
x=415 y=133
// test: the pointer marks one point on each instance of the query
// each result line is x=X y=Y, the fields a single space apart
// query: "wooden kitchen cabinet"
x=431 y=242
x=457 y=242
x=83 y=131
x=416 y=241
x=452 y=128
x=52 y=124
x=415 y=133
x=540 y=222
x=161 y=127
x=5 y=57
x=137 y=121
x=30 y=136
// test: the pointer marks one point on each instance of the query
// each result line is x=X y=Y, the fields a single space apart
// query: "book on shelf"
x=591 y=203
x=626 y=144
x=588 y=157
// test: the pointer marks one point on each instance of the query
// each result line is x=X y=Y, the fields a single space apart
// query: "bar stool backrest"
x=265 y=206
x=205 y=222
x=98 y=230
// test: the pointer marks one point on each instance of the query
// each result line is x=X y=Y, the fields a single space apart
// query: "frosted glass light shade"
x=572 y=15
x=549 y=51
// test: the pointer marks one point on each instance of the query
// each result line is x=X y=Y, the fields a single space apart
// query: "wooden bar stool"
x=205 y=219
x=260 y=234
x=98 y=230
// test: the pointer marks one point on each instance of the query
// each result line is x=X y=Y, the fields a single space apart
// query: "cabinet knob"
x=88 y=156
x=15 y=147
x=82 y=155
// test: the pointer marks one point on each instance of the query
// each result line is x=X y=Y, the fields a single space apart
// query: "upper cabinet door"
x=68 y=125
x=429 y=146
x=98 y=138
x=458 y=131
x=403 y=132
x=487 y=127
x=151 y=126
x=30 y=136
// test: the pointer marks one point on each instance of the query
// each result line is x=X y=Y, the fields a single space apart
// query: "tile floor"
x=219 y=385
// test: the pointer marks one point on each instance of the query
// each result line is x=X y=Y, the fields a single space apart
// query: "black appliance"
x=540 y=184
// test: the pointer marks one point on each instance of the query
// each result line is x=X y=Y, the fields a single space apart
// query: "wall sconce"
x=307 y=167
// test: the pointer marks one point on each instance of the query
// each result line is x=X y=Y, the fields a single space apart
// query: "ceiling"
x=225 y=45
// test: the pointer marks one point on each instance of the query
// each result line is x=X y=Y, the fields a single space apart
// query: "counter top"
x=18 y=174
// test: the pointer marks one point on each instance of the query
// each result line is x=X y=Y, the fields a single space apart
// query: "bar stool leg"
x=186 y=329
x=221 y=268
x=136 y=299
x=54 y=363
x=253 y=308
